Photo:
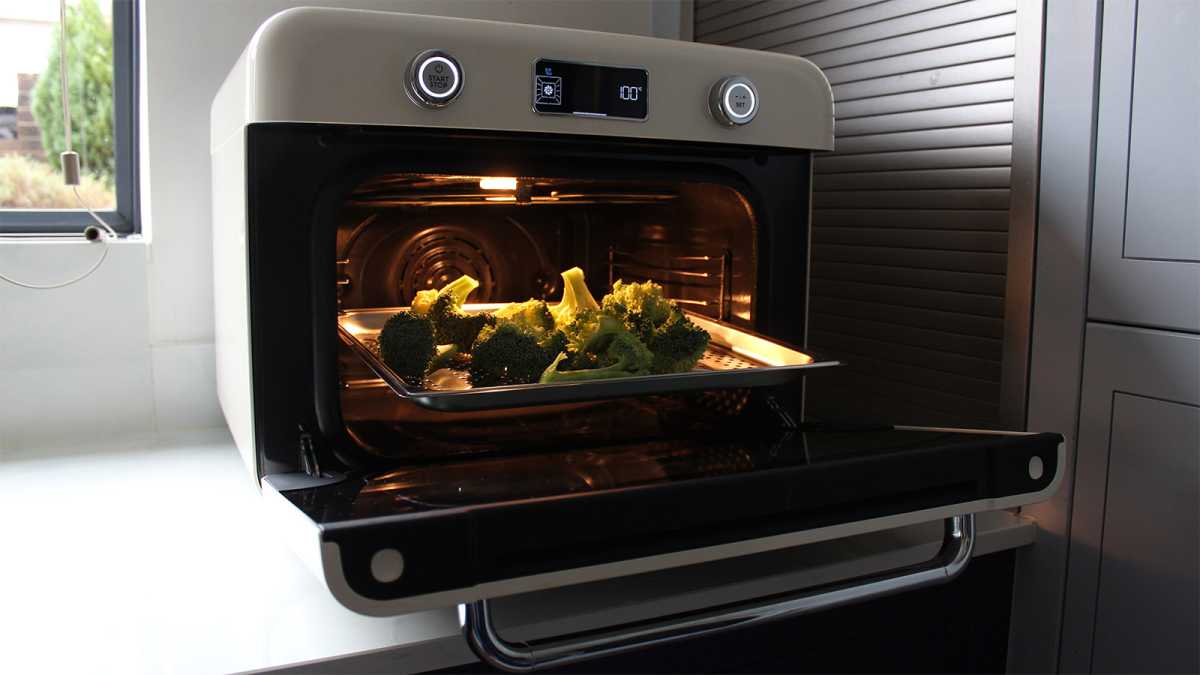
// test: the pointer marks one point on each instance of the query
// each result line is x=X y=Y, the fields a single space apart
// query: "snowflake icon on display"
x=548 y=90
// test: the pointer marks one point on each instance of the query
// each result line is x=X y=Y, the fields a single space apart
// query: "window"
x=102 y=76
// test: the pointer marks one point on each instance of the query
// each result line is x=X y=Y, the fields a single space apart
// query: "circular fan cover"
x=438 y=255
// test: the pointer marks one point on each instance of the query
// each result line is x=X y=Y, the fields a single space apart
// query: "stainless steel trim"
x=482 y=636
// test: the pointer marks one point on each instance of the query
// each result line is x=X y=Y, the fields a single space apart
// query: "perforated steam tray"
x=735 y=359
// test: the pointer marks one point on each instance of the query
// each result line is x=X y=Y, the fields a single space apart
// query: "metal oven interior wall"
x=696 y=240
x=923 y=214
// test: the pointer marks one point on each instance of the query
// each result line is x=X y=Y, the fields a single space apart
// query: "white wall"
x=151 y=302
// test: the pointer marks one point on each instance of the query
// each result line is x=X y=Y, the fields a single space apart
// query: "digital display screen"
x=564 y=88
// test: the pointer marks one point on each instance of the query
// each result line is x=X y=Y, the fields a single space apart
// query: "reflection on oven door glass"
x=564 y=473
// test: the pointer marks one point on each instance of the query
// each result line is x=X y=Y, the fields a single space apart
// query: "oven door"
x=432 y=535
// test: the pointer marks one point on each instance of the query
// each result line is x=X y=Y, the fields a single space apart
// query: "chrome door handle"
x=479 y=627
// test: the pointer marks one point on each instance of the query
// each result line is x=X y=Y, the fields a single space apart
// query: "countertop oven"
x=361 y=157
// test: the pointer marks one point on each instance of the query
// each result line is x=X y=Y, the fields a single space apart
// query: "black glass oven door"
x=431 y=534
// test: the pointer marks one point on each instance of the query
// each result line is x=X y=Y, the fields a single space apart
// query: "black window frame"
x=125 y=219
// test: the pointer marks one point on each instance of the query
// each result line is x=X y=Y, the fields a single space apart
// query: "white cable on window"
x=70 y=169
x=62 y=70
x=45 y=287
x=99 y=221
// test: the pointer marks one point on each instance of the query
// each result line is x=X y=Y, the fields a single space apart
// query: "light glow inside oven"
x=498 y=183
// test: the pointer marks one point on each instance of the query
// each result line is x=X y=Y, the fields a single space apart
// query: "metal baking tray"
x=735 y=359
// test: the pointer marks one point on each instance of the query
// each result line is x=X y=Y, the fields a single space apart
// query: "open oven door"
x=435 y=534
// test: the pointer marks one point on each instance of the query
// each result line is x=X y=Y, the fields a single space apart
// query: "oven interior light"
x=498 y=183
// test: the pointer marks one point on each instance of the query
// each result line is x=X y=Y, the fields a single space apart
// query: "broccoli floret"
x=642 y=306
x=618 y=353
x=576 y=298
x=531 y=314
x=452 y=326
x=422 y=301
x=459 y=289
x=507 y=354
x=678 y=345
x=581 y=329
x=406 y=345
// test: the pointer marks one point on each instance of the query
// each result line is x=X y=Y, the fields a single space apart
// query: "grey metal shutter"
x=912 y=212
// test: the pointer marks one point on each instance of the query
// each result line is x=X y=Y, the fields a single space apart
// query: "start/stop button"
x=734 y=100
x=434 y=79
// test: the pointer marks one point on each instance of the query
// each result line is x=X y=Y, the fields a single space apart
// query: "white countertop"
x=152 y=555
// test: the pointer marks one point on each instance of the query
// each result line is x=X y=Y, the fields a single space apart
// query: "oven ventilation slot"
x=697 y=281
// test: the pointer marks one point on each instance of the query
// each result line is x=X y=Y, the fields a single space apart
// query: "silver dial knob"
x=434 y=79
x=734 y=100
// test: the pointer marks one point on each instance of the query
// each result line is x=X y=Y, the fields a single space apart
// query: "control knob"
x=434 y=79
x=734 y=101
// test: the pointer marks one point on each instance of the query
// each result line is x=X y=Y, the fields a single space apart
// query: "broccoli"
x=581 y=329
x=406 y=345
x=452 y=326
x=576 y=298
x=531 y=314
x=641 y=306
x=448 y=356
x=618 y=353
x=677 y=343
x=507 y=354
x=460 y=288
x=443 y=306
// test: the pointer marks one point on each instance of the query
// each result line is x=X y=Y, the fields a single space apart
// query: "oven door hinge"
x=309 y=463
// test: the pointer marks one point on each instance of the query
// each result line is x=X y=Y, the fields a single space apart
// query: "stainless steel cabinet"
x=1133 y=587
x=1146 y=232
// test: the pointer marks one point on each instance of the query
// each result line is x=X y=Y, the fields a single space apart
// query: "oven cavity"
x=399 y=234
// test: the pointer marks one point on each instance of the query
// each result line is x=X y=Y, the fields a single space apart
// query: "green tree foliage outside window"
x=90 y=82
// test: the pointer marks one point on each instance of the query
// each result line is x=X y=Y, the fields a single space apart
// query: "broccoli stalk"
x=576 y=298
x=616 y=352
x=406 y=345
x=448 y=356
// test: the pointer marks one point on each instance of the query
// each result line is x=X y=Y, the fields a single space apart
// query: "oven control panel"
x=434 y=79
x=733 y=100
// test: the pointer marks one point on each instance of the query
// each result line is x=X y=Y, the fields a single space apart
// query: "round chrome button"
x=434 y=79
x=734 y=100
